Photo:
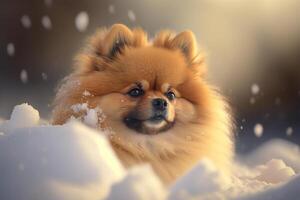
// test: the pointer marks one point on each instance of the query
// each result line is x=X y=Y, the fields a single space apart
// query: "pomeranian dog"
x=156 y=106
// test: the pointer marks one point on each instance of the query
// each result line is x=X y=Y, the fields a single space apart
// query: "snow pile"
x=280 y=149
x=202 y=182
x=274 y=171
x=22 y=116
x=73 y=161
x=140 y=183
x=54 y=162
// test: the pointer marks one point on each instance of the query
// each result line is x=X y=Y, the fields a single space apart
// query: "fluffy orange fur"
x=117 y=58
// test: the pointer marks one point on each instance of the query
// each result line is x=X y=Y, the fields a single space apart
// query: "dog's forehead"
x=155 y=65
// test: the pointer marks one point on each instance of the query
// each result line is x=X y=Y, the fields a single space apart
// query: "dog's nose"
x=159 y=104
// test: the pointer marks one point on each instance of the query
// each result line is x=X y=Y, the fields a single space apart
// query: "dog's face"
x=148 y=100
x=150 y=95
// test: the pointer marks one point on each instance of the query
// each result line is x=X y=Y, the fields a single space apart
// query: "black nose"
x=159 y=104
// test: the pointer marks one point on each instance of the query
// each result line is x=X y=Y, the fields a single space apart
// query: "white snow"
x=131 y=15
x=91 y=116
x=82 y=21
x=73 y=161
x=255 y=89
x=258 y=130
x=10 y=49
x=22 y=116
x=60 y=162
x=199 y=183
x=286 y=151
x=139 y=183
x=275 y=171
x=79 y=107
x=46 y=22
x=24 y=76
x=25 y=21
x=86 y=93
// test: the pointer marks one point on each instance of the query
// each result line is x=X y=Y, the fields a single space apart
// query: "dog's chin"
x=150 y=126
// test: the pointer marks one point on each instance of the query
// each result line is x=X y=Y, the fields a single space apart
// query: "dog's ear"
x=102 y=47
x=186 y=42
x=118 y=37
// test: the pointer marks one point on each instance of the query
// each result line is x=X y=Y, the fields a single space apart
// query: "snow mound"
x=22 y=116
x=70 y=161
x=139 y=183
x=74 y=161
x=275 y=149
x=201 y=181
x=275 y=171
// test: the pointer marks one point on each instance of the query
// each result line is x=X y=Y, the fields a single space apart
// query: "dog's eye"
x=170 y=95
x=136 y=92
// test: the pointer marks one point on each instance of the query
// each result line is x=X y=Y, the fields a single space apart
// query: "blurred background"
x=253 y=52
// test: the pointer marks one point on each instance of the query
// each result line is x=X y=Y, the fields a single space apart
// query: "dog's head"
x=152 y=93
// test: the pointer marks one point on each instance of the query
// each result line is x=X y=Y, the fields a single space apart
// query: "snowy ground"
x=72 y=161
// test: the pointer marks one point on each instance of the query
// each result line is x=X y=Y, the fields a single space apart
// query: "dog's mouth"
x=153 y=125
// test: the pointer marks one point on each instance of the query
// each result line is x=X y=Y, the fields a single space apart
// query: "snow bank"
x=54 y=162
x=73 y=161
x=277 y=149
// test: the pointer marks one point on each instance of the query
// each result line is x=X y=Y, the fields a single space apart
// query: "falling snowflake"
x=48 y=3
x=255 y=89
x=82 y=21
x=44 y=76
x=24 y=76
x=111 y=9
x=131 y=15
x=277 y=101
x=25 y=21
x=21 y=166
x=289 y=131
x=46 y=22
x=10 y=49
x=252 y=100
x=258 y=130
